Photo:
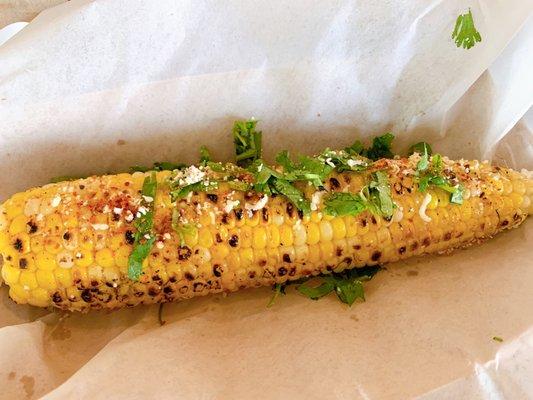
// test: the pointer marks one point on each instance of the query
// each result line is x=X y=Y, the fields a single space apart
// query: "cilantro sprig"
x=144 y=237
x=247 y=142
x=381 y=148
x=465 y=33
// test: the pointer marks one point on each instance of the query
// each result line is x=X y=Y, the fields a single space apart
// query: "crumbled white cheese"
x=167 y=236
x=148 y=199
x=230 y=205
x=398 y=214
x=190 y=175
x=147 y=236
x=117 y=210
x=315 y=200
x=106 y=209
x=423 y=206
x=352 y=163
x=160 y=245
x=100 y=227
x=257 y=206
x=55 y=201
x=129 y=216
x=32 y=207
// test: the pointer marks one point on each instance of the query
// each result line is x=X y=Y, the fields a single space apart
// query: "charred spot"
x=83 y=186
x=56 y=297
x=168 y=290
x=9 y=258
x=289 y=209
x=505 y=222
x=189 y=276
x=409 y=190
x=264 y=214
x=300 y=214
x=482 y=226
x=32 y=227
x=218 y=238
x=115 y=217
x=156 y=277
x=414 y=246
x=66 y=236
x=86 y=296
x=286 y=258
x=153 y=291
x=347 y=179
x=376 y=255
x=373 y=220
x=17 y=244
x=357 y=247
x=292 y=271
x=401 y=250
x=364 y=222
x=139 y=294
x=23 y=263
x=172 y=279
x=130 y=238
x=330 y=267
x=516 y=217
x=282 y=271
x=447 y=236
x=224 y=219
x=251 y=274
x=239 y=213
x=338 y=252
x=198 y=286
x=94 y=283
x=212 y=197
x=109 y=284
x=426 y=242
x=184 y=253
x=233 y=241
x=334 y=182
x=262 y=263
x=348 y=260
x=217 y=270
x=197 y=251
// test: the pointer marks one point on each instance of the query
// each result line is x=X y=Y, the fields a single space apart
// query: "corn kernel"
x=259 y=238
x=299 y=234
x=18 y=224
x=18 y=294
x=63 y=277
x=39 y=298
x=285 y=233
x=247 y=257
x=351 y=226
x=10 y=274
x=83 y=258
x=12 y=209
x=116 y=241
x=28 y=280
x=46 y=279
x=326 y=231
x=53 y=245
x=338 y=227
x=122 y=255
x=326 y=250
x=104 y=258
x=273 y=235
x=45 y=261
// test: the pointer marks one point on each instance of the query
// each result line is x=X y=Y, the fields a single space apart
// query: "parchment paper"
x=98 y=86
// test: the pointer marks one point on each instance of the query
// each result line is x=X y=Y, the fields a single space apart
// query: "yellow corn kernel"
x=434 y=202
x=116 y=241
x=22 y=243
x=370 y=239
x=233 y=260
x=28 y=280
x=273 y=254
x=104 y=258
x=53 y=245
x=273 y=235
x=299 y=234
x=326 y=250
x=45 y=261
x=205 y=239
x=10 y=274
x=285 y=233
x=247 y=257
x=37 y=244
x=326 y=231
x=122 y=255
x=46 y=279
x=4 y=240
x=260 y=256
x=18 y=224
x=70 y=221
x=351 y=226
x=53 y=224
x=313 y=233
x=39 y=298
x=254 y=220
x=517 y=198
x=316 y=216
x=83 y=258
x=383 y=236
x=72 y=293
x=86 y=240
x=63 y=277
x=363 y=226
x=301 y=253
x=18 y=294
x=338 y=227
x=314 y=253
x=12 y=209
x=519 y=187
x=259 y=237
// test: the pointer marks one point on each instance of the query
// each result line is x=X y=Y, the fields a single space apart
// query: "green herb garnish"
x=158 y=166
x=465 y=33
x=202 y=186
x=144 y=238
x=294 y=195
x=279 y=289
x=247 y=142
x=205 y=156
x=182 y=229
x=381 y=148
x=497 y=339
x=345 y=204
x=420 y=148
x=347 y=285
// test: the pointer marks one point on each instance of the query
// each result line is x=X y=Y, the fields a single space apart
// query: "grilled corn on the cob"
x=67 y=244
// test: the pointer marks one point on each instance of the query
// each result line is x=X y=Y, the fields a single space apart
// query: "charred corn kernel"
x=28 y=280
x=46 y=279
x=18 y=225
x=53 y=254
x=39 y=297
x=338 y=228
x=104 y=258
x=285 y=234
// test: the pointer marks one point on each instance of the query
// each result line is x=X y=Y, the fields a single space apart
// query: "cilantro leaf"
x=316 y=292
x=420 y=148
x=295 y=196
x=344 y=204
x=278 y=288
x=194 y=187
x=182 y=229
x=144 y=238
x=283 y=159
x=381 y=147
x=247 y=142
x=465 y=33
x=205 y=157
x=380 y=194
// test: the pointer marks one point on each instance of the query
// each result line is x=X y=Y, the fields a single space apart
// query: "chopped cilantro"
x=344 y=204
x=420 y=148
x=182 y=229
x=429 y=173
x=278 y=288
x=348 y=285
x=158 y=166
x=201 y=186
x=380 y=194
x=294 y=195
x=497 y=339
x=144 y=238
x=205 y=157
x=465 y=33
x=247 y=142
x=381 y=147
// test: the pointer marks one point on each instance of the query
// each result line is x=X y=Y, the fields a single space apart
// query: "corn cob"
x=67 y=244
